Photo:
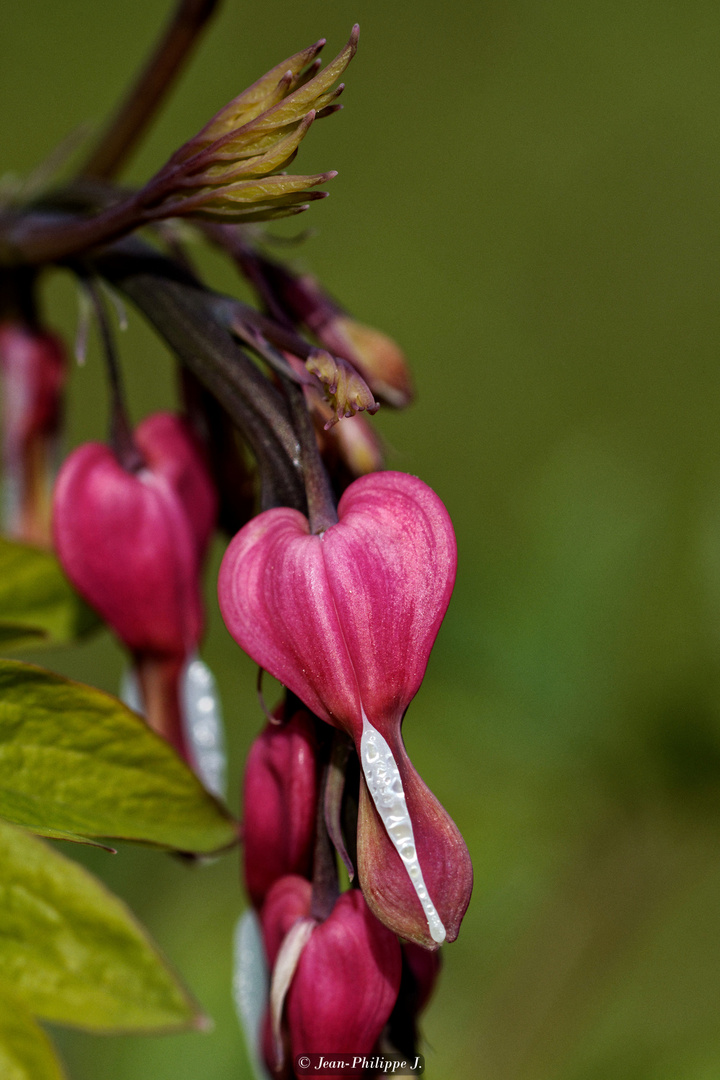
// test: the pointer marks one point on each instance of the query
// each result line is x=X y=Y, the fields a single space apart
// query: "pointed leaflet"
x=75 y=760
x=72 y=951
x=26 y=1053
x=251 y=102
x=37 y=605
x=278 y=155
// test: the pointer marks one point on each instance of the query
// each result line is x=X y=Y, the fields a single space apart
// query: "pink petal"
x=391 y=565
x=125 y=543
x=287 y=901
x=279 y=804
x=346 y=619
x=441 y=851
x=346 y=983
x=277 y=604
x=172 y=450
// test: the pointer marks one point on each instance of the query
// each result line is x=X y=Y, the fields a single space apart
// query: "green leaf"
x=18 y=636
x=77 y=763
x=73 y=952
x=26 y=1053
x=37 y=604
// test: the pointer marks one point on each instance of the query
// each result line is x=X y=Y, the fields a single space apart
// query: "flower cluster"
x=335 y=580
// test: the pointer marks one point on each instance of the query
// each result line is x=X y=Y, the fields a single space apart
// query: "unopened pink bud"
x=346 y=982
x=280 y=804
x=346 y=620
x=131 y=542
x=33 y=366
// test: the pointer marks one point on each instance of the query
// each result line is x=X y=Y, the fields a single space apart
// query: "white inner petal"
x=201 y=717
x=385 y=785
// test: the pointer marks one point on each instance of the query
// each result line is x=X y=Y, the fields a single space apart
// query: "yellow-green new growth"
x=229 y=170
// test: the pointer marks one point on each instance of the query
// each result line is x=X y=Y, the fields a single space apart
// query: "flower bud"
x=346 y=620
x=347 y=393
x=33 y=367
x=346 y=982
x=378 y=358
x=280 y=804
x=131 y=543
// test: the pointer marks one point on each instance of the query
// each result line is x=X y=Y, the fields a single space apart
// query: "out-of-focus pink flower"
x=33 y=366
x=280 y=804
x=346 y=619
x=132 y=544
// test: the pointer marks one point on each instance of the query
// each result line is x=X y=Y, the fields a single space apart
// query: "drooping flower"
x=279 y=804
x=33 y=367
x=346 y=982
x=132 y=543
x=346 y=619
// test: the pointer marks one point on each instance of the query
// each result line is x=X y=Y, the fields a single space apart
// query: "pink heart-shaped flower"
x=132 y=543
x=346 y=619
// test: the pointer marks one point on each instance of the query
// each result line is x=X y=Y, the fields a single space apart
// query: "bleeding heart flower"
x=346 y=619
x=33 y=367
x=132 y=544
x=279 y=804
x=346 y=982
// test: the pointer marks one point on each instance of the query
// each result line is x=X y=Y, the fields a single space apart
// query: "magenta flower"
x=279 y=804
x=33 y=367
x=346 y=982
x=132 y=544
x=346 y=619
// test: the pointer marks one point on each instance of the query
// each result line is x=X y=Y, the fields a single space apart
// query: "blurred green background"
x=527 y=202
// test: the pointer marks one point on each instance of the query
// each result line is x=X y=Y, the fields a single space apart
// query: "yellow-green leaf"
x=73 y=953
x=75 y=762
x=37 y=604
x=26 y=1052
